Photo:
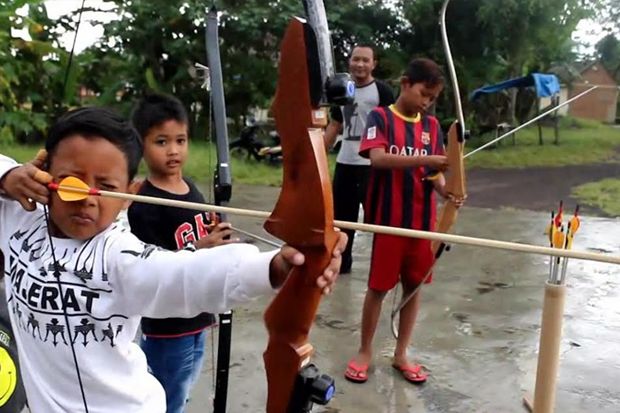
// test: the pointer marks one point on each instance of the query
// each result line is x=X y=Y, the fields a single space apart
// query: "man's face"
x=361 y=64
x=165 y=148
x=418 y=97
x=100 y=164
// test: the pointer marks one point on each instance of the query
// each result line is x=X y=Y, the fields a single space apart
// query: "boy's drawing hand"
x=458 y=201
x=441 y=189
x=289 y=257
x=21 y=185
x=217 y=236
x=437 y=162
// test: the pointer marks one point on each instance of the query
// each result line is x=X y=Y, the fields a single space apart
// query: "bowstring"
x=210 y=193
x=63 y=301
x=211 y=196
x=71 y=53
x=46 y=214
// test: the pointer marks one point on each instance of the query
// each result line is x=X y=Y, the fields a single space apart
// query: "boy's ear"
x=133 y=188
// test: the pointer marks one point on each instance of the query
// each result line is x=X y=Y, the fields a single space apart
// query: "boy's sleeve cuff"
x=254 y=273
x=6 y=165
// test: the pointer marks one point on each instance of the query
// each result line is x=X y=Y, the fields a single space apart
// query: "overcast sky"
x=587 y=31
x=88 y=34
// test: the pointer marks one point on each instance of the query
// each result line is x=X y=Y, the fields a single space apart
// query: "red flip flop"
x=357 y=373
x=413 y=373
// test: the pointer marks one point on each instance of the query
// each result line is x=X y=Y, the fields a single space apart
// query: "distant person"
x=352 y=170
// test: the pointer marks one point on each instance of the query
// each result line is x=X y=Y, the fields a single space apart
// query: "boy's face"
x=361 y=64
x=165 y=148
x=418 y=97
x=100 y=164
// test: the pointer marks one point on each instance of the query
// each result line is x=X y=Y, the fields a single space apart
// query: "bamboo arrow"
x=72 y=189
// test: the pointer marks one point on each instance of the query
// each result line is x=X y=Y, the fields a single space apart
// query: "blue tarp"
x=546 y=85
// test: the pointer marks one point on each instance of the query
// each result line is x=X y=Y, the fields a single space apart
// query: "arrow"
x=79 y=187
x=72 y=189
x=529 y=122
x=573 y=227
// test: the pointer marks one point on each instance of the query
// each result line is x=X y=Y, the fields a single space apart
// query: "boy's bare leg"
x=370 y=318
x=406 y=322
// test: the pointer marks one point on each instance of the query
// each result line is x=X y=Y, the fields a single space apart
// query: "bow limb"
x=222 y=191
x=303 y=215
x=455 y=181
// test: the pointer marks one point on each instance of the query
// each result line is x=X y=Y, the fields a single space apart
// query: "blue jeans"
x=176 y=363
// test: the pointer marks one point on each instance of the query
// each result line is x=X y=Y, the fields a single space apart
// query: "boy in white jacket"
x=77 y=283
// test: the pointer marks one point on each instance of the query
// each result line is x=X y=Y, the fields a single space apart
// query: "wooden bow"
x=455 y=180
x=303 y=216
x=222 y=192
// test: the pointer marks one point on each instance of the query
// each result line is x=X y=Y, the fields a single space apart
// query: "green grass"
x=604 y=194
x=200 y=164
x=21 y=153
x=203 y=158
x=581 y=142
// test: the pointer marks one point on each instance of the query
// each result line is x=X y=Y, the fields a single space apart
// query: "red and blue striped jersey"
x=401 y=197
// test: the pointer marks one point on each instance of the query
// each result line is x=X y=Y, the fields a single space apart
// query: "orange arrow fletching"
x=574 y=224
x=72 y=189
x=558 y=239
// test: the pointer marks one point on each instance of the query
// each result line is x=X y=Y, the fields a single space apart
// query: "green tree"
x=493 y=41
x=32 y=75
x=608 y=50
x=155 y=44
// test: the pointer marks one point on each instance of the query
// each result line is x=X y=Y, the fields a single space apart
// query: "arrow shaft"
x=377 y=229
x=529 y=122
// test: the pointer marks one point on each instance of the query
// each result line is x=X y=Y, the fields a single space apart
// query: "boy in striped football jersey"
x=404 y=145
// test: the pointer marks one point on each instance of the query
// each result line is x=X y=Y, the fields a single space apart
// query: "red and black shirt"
x=170 y=228
x=401 y=197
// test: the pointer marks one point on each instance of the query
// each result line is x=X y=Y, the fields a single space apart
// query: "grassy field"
x=604 y=194
x=581 y=142
x=200 y=165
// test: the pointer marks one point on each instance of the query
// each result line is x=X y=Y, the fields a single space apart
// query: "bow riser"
x=455 y=181
x=303 y=216
x=288 y=320
x=306 y=179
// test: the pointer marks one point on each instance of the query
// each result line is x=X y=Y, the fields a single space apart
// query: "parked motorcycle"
x=250 y=145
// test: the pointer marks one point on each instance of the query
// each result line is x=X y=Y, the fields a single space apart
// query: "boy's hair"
x=155 y=109
x=93 y=122
x=423 y=70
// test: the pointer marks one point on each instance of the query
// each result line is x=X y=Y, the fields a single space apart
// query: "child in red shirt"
x=404 y=145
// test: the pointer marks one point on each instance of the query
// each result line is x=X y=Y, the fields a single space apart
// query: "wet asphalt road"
x=477 y=332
